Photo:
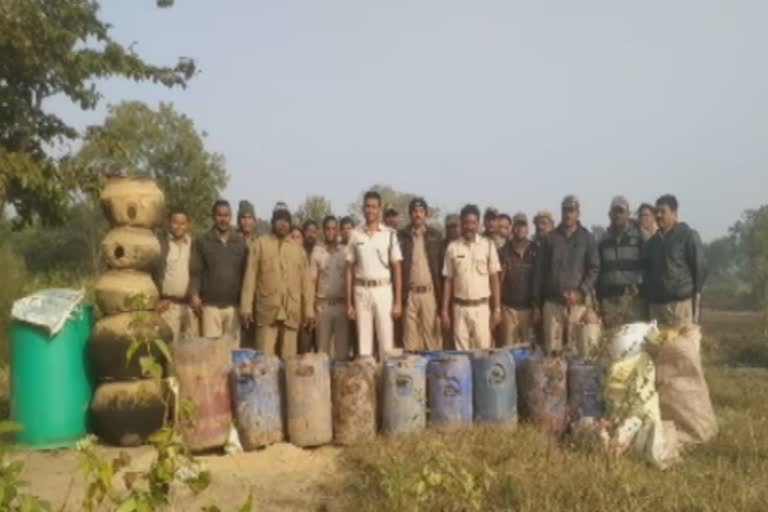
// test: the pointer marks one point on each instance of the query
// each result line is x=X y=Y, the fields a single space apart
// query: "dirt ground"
x=282 y=477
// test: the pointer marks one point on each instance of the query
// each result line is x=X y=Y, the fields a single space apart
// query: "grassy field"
x=487 y=469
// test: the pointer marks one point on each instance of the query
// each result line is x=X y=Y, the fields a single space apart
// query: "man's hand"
x=536 y=316
x=196 y=304
x=351 y=312
x=246 y=319
x=397 y=311
x=495 y=319
x=571 y=297
x=309 y=323
x=446 y=318
x=163 y=305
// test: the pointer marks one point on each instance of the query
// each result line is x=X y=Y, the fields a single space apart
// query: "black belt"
x=465 y=302
x=420 y=289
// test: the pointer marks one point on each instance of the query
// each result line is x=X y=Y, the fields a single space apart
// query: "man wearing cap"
x=327 y=270
x=452 y=228
x=675 y=268
x=518 y=257
x=373 y=262
x=620 y=283
x=216 y=269
x=544 y=222
x=422 y=248
x=276 y=292
x=246 y=221
x=471 y=272
x=566 y=271
x=491 y=227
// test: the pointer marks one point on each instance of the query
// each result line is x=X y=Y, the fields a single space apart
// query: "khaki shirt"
x=276 y=285
x=328 y=268
x=373 y=254
x=420 y=274
x=176 y=279
x=470 y=265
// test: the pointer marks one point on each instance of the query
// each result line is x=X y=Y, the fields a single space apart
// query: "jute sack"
x=121 y=291
x=127 y=413
x=131 y=248
x=134 y=201
x=683 y=391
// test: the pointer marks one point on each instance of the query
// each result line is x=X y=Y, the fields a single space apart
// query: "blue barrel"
x=585 y=390
x=308 y=400
x=521 y=354
x=449 y=391
x=404 y=395
x=495 y=388
x=543 y=392
x=256 y=397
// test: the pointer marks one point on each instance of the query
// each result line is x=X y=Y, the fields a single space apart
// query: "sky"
x=506 y=103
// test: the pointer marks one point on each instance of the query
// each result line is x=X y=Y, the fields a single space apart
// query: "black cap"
x=417 y=202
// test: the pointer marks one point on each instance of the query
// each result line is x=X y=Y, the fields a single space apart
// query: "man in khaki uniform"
x=276 y=290
x=216 y=276
x=422 y=248
x=327 y=270
x=471 y=273
x=518 y=258
x=172 y=278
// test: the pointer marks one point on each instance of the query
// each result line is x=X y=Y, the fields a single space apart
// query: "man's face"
x=469 y=225
x=331 y=232
x=419 y=217
x=665 y=217
x=222 y=217
x=619 y=216
x=281 y=228
x=543 y=226
x=297 y=236
x=520 y=232
x=491 y=224
x=393 y=221
x=346 y=232
x=247 y=224
x=647 y=218
x=504 y=228
x=310 y=234
x=178 y=225
x=570 y=217
x=452 y=232
x=372 y=210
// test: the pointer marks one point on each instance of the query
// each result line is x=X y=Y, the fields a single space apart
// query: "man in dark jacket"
x=621 y=269
x=564 y=280
x=675 y=268
x=216 y=275
x=517 y=257
x=423 y=252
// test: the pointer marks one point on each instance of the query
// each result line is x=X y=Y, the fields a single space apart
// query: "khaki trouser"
x=182 y=321
x=373 y=310
x=472 y=327
x=563 y=328
x=627 y=309
x=332 y=332
x=673 y=315
x=515 y=327
x=422 y=323
x=221 y=321
x=269 y=336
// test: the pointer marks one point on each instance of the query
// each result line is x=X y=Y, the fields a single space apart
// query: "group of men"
x=379 y=286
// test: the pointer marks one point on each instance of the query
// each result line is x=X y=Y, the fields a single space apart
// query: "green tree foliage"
x=161 y=143
x=392 y=198
x=55 y=48
x=753 y=231
x=314 y=208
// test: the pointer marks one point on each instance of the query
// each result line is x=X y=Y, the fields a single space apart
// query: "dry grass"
x=487 y=469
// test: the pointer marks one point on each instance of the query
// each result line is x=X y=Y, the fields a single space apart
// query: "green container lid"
x=51 y=384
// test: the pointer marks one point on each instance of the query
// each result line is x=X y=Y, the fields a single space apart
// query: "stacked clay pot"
x=128 y=407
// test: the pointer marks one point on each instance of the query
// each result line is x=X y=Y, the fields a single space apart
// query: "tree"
x=314 y=208
x=161 y=143
x=392 y=198
x=753 y=230
x=55 y=48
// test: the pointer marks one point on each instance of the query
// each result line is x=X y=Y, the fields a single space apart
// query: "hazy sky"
x=498 y=102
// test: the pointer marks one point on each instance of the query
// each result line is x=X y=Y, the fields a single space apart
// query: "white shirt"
x=176 y=278
x=469 y=265
x=373 y=254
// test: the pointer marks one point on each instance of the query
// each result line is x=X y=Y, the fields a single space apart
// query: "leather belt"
x=372 y=283
x=420 y=289
x=335 y=301
x=465 y=302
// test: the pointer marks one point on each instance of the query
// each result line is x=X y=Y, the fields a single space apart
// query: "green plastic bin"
x=51 y=384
